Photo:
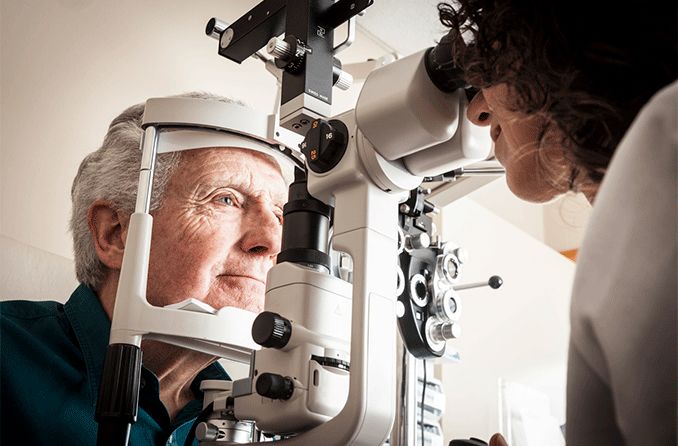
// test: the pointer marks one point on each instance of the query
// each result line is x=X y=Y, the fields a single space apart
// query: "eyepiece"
x=441 y=68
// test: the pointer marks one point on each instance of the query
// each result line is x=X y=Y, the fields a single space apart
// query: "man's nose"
x=263 y=233
x=478 y=111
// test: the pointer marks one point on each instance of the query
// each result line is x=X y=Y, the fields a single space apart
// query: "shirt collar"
x=92 y=329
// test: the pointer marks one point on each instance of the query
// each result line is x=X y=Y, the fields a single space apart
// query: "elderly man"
x=217 y=228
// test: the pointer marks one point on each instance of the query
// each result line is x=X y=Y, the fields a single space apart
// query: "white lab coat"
x=623 y=347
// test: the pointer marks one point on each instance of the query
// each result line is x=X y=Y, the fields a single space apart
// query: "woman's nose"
x=478 y=111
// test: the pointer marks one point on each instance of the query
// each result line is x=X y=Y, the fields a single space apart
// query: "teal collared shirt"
x=51 y=359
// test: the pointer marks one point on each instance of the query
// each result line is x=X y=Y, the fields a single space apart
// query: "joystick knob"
x=274 y=386
x=271 y=330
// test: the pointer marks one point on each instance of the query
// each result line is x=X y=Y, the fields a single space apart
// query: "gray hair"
x=111 y=173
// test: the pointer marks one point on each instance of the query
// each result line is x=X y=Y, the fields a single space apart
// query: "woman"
x=580 y=96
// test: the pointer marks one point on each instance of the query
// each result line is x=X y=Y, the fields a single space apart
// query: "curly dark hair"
x=591 y=65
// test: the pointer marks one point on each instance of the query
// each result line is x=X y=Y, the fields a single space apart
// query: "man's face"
x=218 y=230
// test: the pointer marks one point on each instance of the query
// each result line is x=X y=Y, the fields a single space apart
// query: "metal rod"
x=149 y=148
x=477 y=171
x=493 y=282
x=350 y=37
x=470 y=285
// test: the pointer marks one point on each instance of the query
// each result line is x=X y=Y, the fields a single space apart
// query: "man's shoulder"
x=25 y=309
x=43 y=375
x=24 y=322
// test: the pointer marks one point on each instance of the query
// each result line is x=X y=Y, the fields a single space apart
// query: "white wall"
x=559 y=224
x=497 y=197
x=70 y=66
x=29 y=273
x=518 y=332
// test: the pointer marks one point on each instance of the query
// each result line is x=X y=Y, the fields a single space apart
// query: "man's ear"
x=108 y=227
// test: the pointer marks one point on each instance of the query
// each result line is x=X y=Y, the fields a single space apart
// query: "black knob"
x=325 y=144
x=495 y=282
x=274 y=386
x=271 y=330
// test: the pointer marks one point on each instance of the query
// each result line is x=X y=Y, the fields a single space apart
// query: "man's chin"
x=238 y=291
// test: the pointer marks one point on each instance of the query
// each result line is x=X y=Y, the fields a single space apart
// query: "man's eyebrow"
x=209 y=185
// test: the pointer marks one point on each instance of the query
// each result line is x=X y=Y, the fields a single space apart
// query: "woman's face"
x=535 y=160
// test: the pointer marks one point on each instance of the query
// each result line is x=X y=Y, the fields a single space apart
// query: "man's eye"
x=228 y=200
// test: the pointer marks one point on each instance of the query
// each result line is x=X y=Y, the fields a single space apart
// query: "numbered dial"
x=325 y=144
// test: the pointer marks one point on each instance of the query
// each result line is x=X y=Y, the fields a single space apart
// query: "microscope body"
x=314 y=360
x=326 y=373
x=339 y=357
x=343 y=335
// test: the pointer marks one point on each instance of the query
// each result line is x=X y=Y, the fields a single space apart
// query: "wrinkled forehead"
x=177 y=139
x=207 y=169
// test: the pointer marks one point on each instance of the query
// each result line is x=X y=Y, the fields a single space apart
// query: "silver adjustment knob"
x=419 y=241
x=279 y=49
x=448 y=267
x=344 y=80
x=215 y=28
x=206 y=432
x=226 y=38
x=447 y=305
x=445 y=331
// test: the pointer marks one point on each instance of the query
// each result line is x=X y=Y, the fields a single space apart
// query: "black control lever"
x=493 y=282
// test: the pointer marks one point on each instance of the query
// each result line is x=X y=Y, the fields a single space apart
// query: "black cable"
x=403 y=382
x=423 y=396
x=202 y=416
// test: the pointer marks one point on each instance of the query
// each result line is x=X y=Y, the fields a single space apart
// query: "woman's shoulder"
x=655 y=128
x=646 y=156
